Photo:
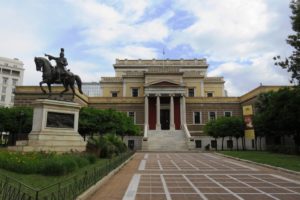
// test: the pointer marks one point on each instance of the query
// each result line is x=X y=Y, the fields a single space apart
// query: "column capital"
x=157 y=95
x=171 y=95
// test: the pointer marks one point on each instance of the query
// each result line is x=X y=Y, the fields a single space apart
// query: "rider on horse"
x=61 y=63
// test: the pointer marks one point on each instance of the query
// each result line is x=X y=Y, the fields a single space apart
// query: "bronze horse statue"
x=50 y=77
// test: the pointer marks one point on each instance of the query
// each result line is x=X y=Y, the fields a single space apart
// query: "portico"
x=164 y=106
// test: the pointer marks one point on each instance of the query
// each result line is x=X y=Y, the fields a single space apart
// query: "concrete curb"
x=260 y=164
x=90 y=191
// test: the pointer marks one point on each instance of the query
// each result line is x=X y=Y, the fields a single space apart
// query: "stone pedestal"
x=54 y=128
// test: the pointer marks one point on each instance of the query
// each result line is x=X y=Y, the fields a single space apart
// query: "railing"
x=68 y=189
x=186 y=131
x=145 y=131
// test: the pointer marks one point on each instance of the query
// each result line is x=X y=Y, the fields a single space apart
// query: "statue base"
x=54 y=128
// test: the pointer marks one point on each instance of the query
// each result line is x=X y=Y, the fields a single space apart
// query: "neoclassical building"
x=171 y=100
x=11 y=75
x=165 y=86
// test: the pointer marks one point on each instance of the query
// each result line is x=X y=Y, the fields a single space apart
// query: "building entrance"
x=165 y=119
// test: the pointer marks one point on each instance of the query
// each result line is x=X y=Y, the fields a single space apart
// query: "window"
x=198 y=143
x=15 y=73
x=131 y=144
x=12 y=99
x=3 y=98
x=132 y=115
x=191 y=92
x=5 y=80
x=229 y=144
x=14 y=82
x=212 y=115
x=197 y=117
x=135 y=92
x=114 y=94
x=209 y=94
x=6 y=71
x=253 y=144
x=3 y=89
x=213 y=143
x=227 y=113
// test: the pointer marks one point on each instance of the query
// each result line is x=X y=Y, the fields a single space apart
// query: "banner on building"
x=249 y=134
x=247 y=110
x=248 y=116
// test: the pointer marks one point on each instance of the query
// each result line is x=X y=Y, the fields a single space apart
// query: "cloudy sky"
x=237 y=37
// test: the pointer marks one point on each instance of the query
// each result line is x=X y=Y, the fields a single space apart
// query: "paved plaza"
x=191 y=176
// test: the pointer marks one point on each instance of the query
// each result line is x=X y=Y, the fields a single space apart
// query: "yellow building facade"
x=170 y=100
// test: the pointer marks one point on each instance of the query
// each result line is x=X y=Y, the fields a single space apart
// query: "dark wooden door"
x=165 y=119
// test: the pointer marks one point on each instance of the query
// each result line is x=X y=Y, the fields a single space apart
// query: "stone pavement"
x=191 y=176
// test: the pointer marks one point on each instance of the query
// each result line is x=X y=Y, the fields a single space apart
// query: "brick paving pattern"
x=191 y=176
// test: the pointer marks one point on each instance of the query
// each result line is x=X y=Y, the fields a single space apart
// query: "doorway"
x=165 y=119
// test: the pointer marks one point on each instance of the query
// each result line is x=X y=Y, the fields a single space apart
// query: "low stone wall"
x=203 y=141
x=133 y=142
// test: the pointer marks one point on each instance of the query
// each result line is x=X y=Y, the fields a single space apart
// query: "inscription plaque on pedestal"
x=60 y=120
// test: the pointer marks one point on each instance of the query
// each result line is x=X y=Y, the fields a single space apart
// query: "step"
x=164 y=140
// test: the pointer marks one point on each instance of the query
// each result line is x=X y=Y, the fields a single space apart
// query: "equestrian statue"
x=58 y=74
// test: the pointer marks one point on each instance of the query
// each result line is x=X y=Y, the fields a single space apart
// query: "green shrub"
x=52 y=167
x=107 y=146
x=80 y=160
x=108 y=150
x=44 y=163
x=117 y=142
x=91 y=158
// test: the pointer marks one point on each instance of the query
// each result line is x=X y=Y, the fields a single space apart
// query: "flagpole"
x=163 y=58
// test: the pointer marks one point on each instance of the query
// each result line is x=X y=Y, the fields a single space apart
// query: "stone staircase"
x=165 y=140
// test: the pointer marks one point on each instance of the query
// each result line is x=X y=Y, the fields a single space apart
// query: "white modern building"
x=91 y=89
x=11 y=75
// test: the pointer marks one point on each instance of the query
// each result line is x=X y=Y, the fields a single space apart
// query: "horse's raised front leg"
x=41 y=86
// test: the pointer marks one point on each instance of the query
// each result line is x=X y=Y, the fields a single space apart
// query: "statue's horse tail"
x=79 y=83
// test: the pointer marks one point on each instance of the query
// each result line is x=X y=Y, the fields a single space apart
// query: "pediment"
x=164 y=83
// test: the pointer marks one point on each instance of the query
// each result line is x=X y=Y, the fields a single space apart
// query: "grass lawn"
x=291 y=162
x=39 y=181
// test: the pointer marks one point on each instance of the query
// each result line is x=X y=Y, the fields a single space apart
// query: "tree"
x=210 y=128
x=93 y=121
x=292 y=63
x=278 y=114
x=236 y=129
x=16 y=120
x=260 y=129
x=224 y=127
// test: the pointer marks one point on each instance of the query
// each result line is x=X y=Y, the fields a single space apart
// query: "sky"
x=238 y=38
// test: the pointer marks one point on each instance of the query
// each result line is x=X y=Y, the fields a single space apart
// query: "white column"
x=202 y=88
x=158 y=126
x=124 y=88
x=183 y=110
x=146 y=110
x=172 y=125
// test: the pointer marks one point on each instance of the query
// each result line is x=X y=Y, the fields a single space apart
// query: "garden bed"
x=36 y=186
